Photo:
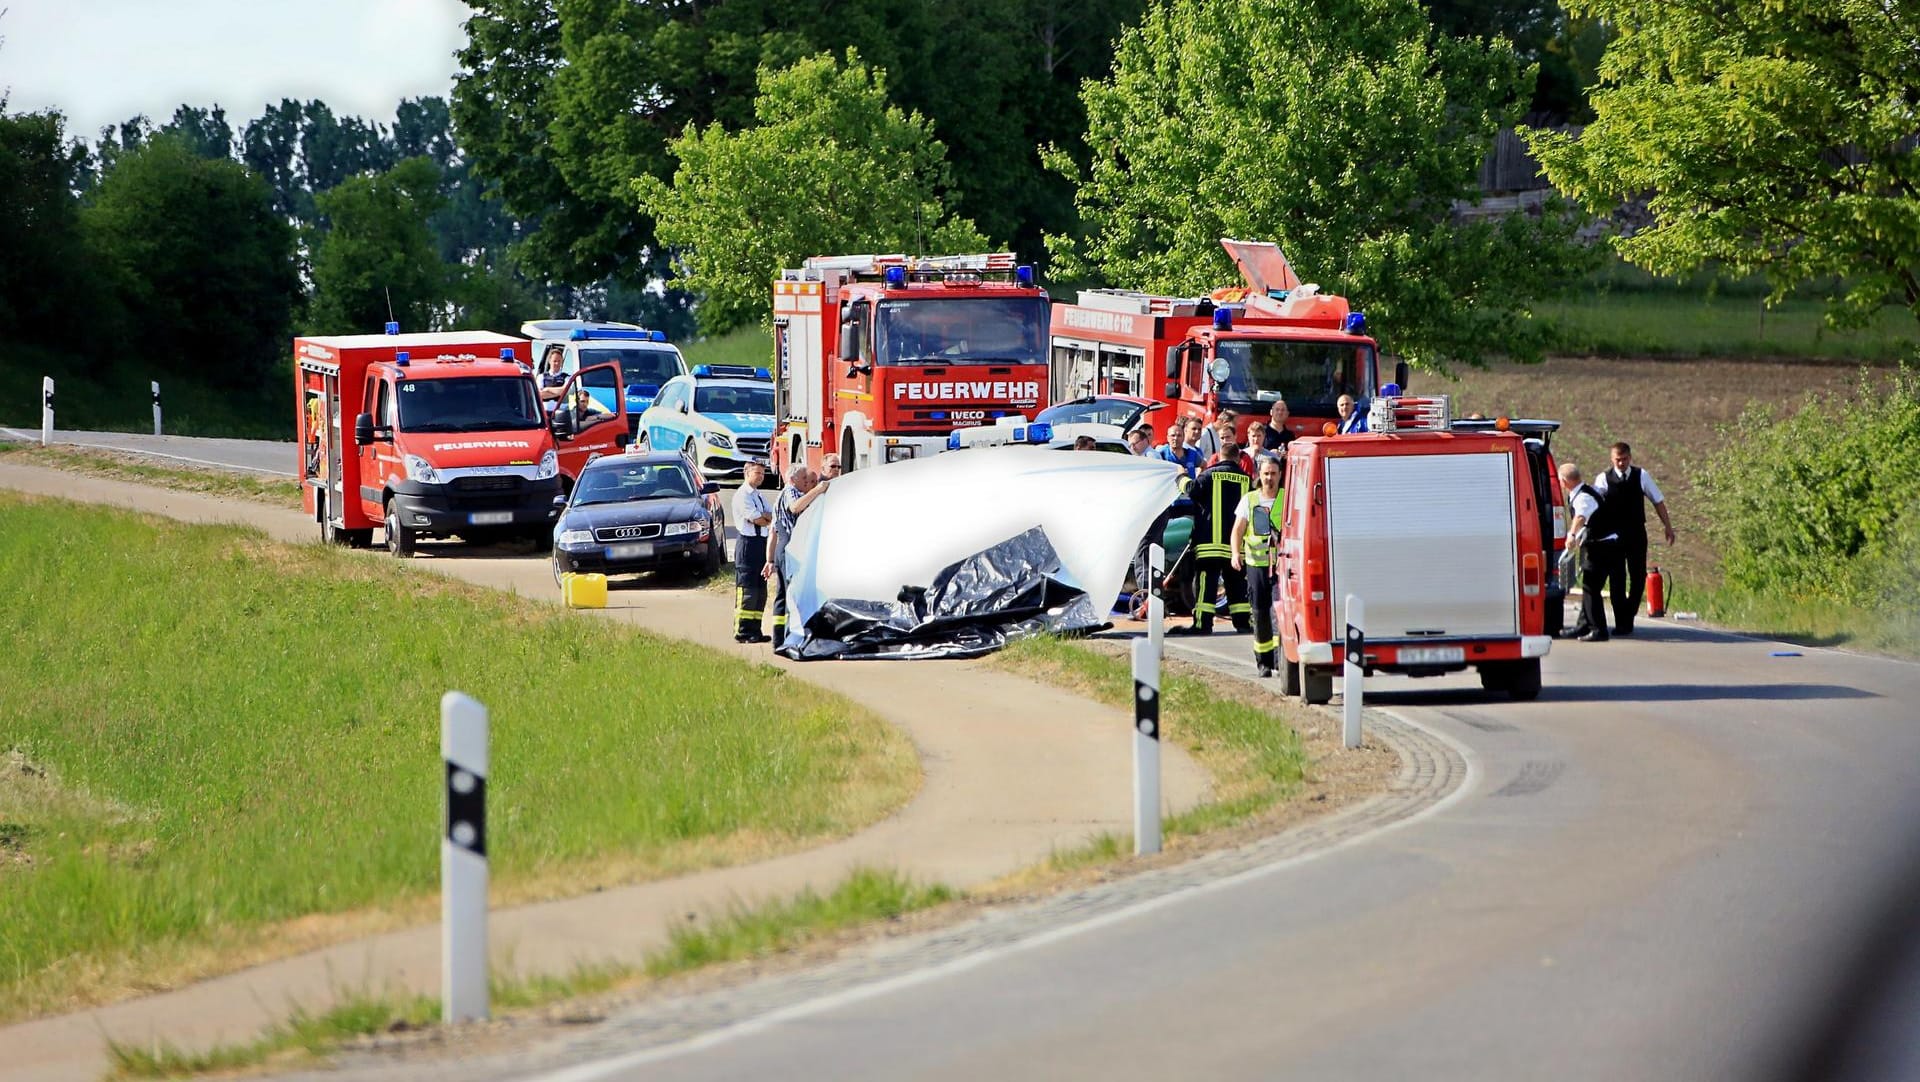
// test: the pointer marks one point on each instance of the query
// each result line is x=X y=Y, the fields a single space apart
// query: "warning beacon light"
x=393 y=326
x=400 y=358
x=1356 y=323
x=896 y=277
x=1023 y=274
x=507 y=354
x=1223 y=319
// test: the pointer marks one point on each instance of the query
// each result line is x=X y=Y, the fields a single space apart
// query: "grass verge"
x=749 y=346
x=195 y=722
x=866 y=896
x=117 y=466
x=1254 y=757
x=1808 y=621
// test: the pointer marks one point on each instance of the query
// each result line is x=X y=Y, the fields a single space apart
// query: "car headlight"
x=575 y=537
x=549 y=466
x=720 y=439
x=674 y=529
x=419 y=469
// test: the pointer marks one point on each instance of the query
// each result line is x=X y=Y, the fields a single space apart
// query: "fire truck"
x=1437 y=531
x=880 y=357
x=441 y=434
x=1238 y=349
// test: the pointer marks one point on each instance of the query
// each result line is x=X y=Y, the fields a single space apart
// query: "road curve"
x=1649 y=878
x=250 y=456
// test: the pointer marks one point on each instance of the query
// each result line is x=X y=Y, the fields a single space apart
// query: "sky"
x=103 y=61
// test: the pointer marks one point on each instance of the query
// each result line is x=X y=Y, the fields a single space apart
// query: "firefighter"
x=1256 y=528
x=751 y=512
x=1216 y=495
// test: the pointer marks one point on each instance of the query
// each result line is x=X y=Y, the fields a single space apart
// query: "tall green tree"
x=1345 y=130
x=44 y=270
x=374 y=255
x=828 y=166
x=205 y=131
x=201 y=261
x=1774 y=137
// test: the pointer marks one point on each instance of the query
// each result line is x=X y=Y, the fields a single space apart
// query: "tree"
x=43 y=273
x=1774 y=138
x=1345 y=130
x=205 y=131
x=201 y=262
x=828 y=167
x=373 y=253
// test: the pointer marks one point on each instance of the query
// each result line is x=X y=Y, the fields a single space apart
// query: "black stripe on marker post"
x=466 y=825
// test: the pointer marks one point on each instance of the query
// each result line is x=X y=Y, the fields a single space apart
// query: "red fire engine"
x=1238 y=349
x=880 y=358
x=1438 y=532
x=441 y=434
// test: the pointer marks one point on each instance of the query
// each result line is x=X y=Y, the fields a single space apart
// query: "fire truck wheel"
x=1316 y=685
x=400 y=538
x=1523 y=682
x=1496 y=676
x=1289 y=677
x=360 y=539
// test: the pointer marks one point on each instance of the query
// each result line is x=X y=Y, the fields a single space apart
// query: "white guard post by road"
x=1356 y=651
x=46 y=411
x=463 y=860
x=1146 y=748
x=156 y=407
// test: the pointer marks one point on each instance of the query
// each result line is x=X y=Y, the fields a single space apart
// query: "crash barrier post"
x=1156 y=596
x=463 y=860
x=1356 y=669
x=46 y=411
x=156 y=407
x=1146 y=747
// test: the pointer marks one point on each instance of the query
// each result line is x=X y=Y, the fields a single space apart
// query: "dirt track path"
x=1012 y=770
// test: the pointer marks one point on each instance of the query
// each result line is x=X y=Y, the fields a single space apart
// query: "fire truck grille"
x=752 y=445
x=485 y=484
x=627 y=533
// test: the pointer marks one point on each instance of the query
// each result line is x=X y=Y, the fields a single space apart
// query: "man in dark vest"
x=1216 y=492
x=1625 y=491
x=1593 y=530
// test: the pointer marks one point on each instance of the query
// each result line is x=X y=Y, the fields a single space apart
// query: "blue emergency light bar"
x=400 y=359
x=731 y=371
x=507 y=354
x=583 y=334
x=896 y=276
x=1023 y=274
x=1356 y=323
x=393 y=327
x=1223 y=319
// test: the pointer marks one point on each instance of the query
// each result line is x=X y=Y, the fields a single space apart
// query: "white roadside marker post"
x=1146 y=748
x=463 y=860
x=156 y=407
x=1356 y=669
x=46 y=411
x=1156 y=598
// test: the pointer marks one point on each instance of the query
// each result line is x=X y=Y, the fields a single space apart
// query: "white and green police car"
x=720 y=415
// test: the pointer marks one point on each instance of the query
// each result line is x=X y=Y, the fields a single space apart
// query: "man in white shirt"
x=1592 y=535
x=752 y=516
x=1625 y=491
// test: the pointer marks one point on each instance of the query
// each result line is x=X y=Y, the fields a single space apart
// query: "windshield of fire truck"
x=963 y=330
x=1304 y=371
x=468 y=404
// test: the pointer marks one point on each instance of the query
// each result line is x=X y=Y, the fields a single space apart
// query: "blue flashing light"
x=656 y=336
x=762 y=373
x=1356 y=323
x=703 y=370
x=937 y=415
x=953 y=442
x=1223 y=319
x=579 y=334
x=400 y=359
x=507 y=354
x=393 y=327
x=896 y=276
x=1039 y=432
x=1023 y=274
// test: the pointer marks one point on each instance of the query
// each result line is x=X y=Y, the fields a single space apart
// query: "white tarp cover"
x=897 y=526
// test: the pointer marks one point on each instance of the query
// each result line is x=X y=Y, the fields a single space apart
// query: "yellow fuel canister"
x=584 y=591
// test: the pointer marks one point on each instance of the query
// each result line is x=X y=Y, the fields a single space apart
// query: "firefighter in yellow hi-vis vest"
x=1256 y=528
x=1215 y=493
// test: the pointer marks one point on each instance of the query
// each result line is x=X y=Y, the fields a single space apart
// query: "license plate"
x=639 y=550
x=1432 y=655
x=490 y=518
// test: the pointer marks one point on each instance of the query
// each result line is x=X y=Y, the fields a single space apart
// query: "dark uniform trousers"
x=1631 y=580
x=1218 y=571
x=749 y=588
x=1601 y=565
x=1266 y=641
x=779 y=605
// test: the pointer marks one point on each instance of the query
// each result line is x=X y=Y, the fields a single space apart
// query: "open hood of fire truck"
x=953 y=555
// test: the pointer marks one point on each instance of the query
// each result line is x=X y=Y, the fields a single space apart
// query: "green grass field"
x=748 y=345
x=1661 y=324
x=206 y=739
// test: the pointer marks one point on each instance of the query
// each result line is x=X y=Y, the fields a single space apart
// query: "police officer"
x=1256 y=528
x=1625 y=491
x=803 y=487
x=1216 y=495
x=1593 y=529
x=754 y=516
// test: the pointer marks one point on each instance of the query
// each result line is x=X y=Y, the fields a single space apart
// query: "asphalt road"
x=251 y=456
x=1649 y=875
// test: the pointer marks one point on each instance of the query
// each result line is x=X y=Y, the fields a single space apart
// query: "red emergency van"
x=1438 y=532
x=442 y=434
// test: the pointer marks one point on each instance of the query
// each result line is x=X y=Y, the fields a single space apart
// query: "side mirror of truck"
x=563 y=427
x=1173 y=364
x=850 y=340
x=1172 y=389
x=363 y=429
x=1400 y=374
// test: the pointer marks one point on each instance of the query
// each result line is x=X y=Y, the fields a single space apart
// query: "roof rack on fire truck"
x=1407 y=413
x=1000 y=266
x=1134 y=303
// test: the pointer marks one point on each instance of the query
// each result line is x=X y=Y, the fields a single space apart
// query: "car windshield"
x=1303 y=372
x=733 y=399
x=637 y=365
x=1106 y=411
x=963 y=330
x=620 y=484
x=468 y=404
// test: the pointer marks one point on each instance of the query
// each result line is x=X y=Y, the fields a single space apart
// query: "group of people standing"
x=759 y=553
x=1608 y=531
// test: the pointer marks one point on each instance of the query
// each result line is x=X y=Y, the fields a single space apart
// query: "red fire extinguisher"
x=1656 y=592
